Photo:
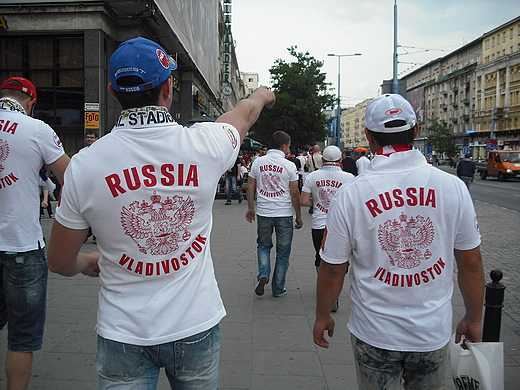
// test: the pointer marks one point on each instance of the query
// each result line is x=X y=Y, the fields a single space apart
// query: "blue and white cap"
x=142 y=58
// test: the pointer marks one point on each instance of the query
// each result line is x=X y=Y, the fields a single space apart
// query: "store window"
x=55 y=65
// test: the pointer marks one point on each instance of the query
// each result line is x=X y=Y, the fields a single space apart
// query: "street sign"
x=92 y=107
x=91 y=120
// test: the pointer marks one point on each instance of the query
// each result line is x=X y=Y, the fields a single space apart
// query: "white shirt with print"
x=273 y=174
x=398 y=224
x=25 y=145
x=147 y=191
x=322 y=185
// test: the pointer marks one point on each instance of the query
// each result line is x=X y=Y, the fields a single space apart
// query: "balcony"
x=455 y=104
x=465 y=101
x=455 y=89
x=444 y=93
x=444 y=106
x=465 y=117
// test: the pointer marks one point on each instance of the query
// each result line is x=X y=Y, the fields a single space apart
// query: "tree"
x=301 y=96
x=441 y=139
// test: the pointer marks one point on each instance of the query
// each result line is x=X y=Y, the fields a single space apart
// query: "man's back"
x=405 y=223
x=25 y=145
x=273 y=173
x=152 y=217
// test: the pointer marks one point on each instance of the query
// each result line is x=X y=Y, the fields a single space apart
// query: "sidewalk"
x=266 y=342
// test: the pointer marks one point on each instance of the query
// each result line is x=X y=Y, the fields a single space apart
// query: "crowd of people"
x=396 y=224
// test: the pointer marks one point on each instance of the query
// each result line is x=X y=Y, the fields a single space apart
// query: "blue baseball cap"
x=142 y=58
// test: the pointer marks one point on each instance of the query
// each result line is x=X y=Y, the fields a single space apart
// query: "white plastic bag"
x=481 y=366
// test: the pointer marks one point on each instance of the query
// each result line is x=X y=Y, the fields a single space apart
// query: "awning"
x=250 y=143
x=202 y=118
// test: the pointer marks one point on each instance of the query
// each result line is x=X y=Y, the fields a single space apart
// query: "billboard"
x=196 y=25
x=416 y=99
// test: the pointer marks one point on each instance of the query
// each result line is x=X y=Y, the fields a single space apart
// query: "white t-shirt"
x=322 y=185
x=398 y=224
x=147 y=191
x=273 y=173
x=361 y=164
x=25 y=145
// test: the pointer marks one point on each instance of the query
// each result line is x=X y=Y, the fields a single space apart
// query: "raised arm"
x=246 y=111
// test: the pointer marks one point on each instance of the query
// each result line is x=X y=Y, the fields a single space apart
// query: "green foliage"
x=441 y=139
x=301 y=96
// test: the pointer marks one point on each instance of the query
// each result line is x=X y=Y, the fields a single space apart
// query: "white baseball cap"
x=331 y=153
x=387 y=108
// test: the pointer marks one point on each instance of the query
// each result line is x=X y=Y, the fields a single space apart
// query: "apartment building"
x=251 y=81
x=474 y=91
x=497 y=90
x=353 y=126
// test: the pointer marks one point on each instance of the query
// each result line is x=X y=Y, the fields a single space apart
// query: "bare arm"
x=45 y=200
x=471 y=283
x=58 y=167
x=295 y=199
x=330 y=283
x=251 y=188
x=246 y=111
x=63 y=253
x=305 y=199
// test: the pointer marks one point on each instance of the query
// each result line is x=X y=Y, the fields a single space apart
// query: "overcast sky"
x=264 y=29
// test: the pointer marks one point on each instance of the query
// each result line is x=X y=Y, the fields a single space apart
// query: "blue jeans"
x=284 y=228
x=383 y=369
x=231 y=187
x=23 y=294
x=191 y=363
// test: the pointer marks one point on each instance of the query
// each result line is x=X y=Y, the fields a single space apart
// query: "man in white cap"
x=400 y=225
x=147 y=191
x=317 y=192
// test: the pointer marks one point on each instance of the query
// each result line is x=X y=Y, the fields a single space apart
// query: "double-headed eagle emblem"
x=406 y=241
x=4 y=153
x=158 y=227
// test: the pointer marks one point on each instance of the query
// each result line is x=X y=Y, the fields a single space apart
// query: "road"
x=504 y=194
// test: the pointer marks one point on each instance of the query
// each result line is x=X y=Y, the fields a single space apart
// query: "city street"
x=266 y=342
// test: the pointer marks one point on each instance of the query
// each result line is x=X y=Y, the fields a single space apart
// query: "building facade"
x=353 y=126
x=473 y=91
x=64 y=48
x=251 y=81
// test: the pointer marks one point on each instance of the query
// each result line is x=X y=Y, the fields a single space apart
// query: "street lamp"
x=338 y=108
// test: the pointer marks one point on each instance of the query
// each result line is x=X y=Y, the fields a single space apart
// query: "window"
x=55 y=65
x=250 y=80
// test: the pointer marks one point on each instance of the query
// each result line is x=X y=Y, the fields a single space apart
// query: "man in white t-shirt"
x=26 y=144
x=275 y=180
x=400 y=225
x=317 y=192
x=362 y=163
x=147 y=191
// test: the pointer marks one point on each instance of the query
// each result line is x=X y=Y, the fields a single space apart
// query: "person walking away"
x=348 y=164
x=466 y=169
x=232 y=175
x=402 y=225
x=317 y=192
x=151 y=209
x=25 y=145
x=314 y=162
x=275 y=181
x=362 y=163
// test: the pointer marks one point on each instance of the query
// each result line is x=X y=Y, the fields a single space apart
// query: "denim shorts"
x=23 y=294
x=378 y=368
x=191 y=363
